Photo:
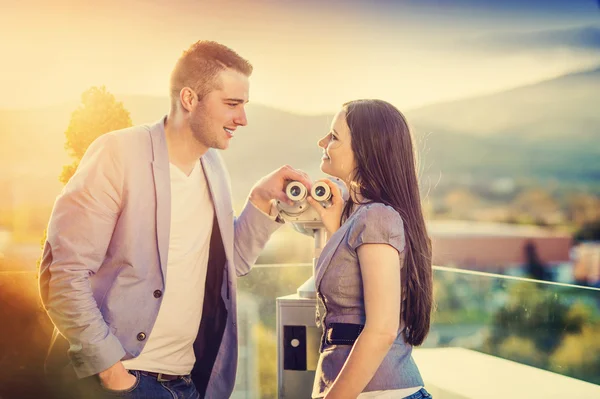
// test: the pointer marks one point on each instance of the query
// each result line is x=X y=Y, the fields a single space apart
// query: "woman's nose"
x=322 y=143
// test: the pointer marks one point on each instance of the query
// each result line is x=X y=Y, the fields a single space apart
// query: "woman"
x=374 y=276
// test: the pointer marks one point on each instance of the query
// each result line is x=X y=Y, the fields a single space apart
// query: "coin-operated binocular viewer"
x=298 y=336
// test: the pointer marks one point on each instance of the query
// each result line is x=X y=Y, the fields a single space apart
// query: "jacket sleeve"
x=252 y=230
x=78 y=235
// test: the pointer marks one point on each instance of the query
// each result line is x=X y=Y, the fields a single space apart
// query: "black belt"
x=342 y=333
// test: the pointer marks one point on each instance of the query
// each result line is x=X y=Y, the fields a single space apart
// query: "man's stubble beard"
x=200 y=129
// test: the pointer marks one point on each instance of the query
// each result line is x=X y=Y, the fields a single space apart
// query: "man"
x=139 y=268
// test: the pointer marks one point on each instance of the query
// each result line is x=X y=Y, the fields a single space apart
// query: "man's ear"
x=186 y=98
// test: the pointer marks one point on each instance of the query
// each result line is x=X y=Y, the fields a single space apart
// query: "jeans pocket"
x=123 y=392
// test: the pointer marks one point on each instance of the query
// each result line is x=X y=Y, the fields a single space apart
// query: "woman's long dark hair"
x=386 y=172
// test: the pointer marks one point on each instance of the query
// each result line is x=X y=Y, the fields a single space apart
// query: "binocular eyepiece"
x=321 y=192
x=304 y=217
x=297 y=191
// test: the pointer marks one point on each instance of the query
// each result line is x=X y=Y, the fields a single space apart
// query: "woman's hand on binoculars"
x=332 y=215
x=272 y=187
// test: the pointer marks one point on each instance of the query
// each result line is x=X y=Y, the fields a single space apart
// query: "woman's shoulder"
x=376 y=223
x=377 y=212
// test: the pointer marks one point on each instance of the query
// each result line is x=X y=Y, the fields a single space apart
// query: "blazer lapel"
x=221 y=200
x=162 y=185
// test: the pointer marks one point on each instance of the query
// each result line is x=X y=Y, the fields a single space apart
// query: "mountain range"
x=547 y=130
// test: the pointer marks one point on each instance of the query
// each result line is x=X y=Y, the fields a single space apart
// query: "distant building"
x=494 y=247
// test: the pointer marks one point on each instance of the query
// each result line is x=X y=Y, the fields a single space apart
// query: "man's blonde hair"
x=199 y=66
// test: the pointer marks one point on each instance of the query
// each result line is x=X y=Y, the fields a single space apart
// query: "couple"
x=139 y=268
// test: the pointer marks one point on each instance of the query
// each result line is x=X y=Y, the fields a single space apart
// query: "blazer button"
x=141 y=336
x=157 y=294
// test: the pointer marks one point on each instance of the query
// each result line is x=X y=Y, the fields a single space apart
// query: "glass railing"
x=554 y=327
x=550 y=326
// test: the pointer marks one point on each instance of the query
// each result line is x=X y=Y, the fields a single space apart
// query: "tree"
x=549 y=327
x=98 y=113
x=533 y=312
x=583 y=208
x=521 y=350
x=579 y=355
x=538 y=205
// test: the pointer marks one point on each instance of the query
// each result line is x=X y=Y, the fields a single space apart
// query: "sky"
x=309 y=56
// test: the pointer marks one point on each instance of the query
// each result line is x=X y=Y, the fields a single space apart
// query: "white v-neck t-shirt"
x=169 y=349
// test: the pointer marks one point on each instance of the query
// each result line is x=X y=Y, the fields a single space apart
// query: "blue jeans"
x=395 y=394
x=148 y=387
x=420 y=394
